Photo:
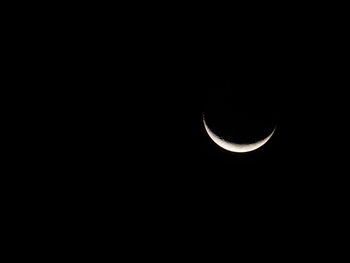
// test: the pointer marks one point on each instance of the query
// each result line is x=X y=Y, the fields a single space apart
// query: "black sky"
x=116 y=140
x=279 y=71
x=139 y=117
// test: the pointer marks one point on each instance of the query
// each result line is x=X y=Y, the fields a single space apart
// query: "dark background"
x=174 y=159
x=154 y=92
x=122 y=131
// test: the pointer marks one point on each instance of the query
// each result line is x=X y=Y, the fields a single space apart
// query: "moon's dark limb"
x=235 y=147
x=241 y=116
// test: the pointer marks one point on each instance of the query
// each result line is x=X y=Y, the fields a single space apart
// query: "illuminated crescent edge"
x=235 y=147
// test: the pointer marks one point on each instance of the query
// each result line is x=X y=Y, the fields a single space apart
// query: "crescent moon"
x=235 y=147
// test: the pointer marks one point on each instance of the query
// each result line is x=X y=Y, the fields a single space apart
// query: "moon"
x=235 y=147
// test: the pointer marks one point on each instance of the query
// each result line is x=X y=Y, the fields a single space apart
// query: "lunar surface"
x=236 y=147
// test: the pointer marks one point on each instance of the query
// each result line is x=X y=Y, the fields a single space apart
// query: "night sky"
x=286 y=84
x=144 y=147
x=110 y=127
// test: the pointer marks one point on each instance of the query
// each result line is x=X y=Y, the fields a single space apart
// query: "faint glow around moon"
x=235 y=147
